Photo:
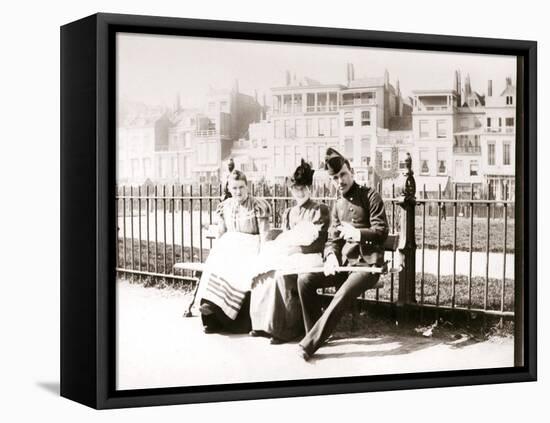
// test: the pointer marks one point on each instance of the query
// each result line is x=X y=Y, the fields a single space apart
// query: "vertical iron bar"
x=182 y=209
x=191 y=222
x=453 y=288
x=173 y=207
x=164 y=228
x=471 y=246
x=117 y=199
x=392 y=277
x=438 y=247
x=200 y=223
x=156 y=230
x=147 y=227
x=124 y=226
x=423 y=246
x=139 y=230
x=486 y=293
x=504 y=258
x=132 y=229
x=210 y=210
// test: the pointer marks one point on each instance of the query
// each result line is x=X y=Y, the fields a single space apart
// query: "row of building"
x=454 y=136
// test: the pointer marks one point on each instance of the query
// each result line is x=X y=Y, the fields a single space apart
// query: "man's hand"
x=331 y=263
x=349 y=232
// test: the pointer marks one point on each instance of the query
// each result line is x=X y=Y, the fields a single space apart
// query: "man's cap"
x=334 y=161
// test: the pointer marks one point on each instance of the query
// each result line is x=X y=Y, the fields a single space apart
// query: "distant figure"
x=444 y=211
x=226 y=192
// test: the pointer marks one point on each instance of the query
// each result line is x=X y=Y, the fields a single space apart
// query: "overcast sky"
x=152 y=69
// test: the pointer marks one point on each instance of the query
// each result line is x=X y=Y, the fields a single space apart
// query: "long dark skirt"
x=275 y=307
x=219 y=322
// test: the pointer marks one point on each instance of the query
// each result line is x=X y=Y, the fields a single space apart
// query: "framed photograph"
x=258 y=211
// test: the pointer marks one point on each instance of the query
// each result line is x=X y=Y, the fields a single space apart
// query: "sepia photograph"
x=290 y=211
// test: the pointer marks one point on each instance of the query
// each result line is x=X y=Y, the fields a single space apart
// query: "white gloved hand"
x=349 y=232
x=331 y=263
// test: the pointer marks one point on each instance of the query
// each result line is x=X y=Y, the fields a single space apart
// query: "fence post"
x=407 y=240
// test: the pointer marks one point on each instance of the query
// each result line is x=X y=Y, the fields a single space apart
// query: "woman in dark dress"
x=275 y=309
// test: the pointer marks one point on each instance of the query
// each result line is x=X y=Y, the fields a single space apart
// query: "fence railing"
x=458 y=256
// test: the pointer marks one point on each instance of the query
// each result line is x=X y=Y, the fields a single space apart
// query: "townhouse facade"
x=456 y=137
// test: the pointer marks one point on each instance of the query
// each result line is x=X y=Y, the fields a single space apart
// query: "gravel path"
x=157 y=347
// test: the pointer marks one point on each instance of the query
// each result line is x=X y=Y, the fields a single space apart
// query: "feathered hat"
x=303 y=175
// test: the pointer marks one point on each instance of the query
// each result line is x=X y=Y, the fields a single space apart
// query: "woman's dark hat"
x=334 y=161
x=303 y=175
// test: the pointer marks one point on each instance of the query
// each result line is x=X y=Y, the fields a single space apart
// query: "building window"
x=368 y=98
x=277 y=154
x=309 y=154
x=309 y=127
x=147 y=168
x=489 y=122
x=135 y=167
x=509 y=100
x=276 y=104
x=348 y=147
x=464 y=124
x=365 y=161
x=289 y=130
x=187 y=140
x=299 y=128
x=459 y=169
x=402 y=156
x=506 y=160
x=424 y=129
x=441 y=162
x=297 y=155
x=424 y=163
x=333 y=127
x=297 y=102
x=333 y=102
x=491 y=155
x=264 y=143
x=474 y=168
x=386 y=160
x=348 y=119
x=186 y=168
x=322 y=127
x=441 y=129
x=278 y=129
x=288 y=156
x=175 y=172
x=310 y=102
x=365 y=118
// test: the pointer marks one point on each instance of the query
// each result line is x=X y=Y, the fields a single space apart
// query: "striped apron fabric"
x=228 y=275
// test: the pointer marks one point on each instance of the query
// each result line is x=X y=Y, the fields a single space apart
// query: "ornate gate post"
x=407 y=240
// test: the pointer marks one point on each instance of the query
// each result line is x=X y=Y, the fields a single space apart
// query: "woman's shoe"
x=276 y=341
x=255 y=333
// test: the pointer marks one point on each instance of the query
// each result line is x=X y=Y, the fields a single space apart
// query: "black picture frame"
x=88 y=98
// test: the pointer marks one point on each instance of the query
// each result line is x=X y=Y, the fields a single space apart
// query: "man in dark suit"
x=356 y=237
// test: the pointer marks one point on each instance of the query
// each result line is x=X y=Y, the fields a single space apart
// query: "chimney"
x=459 y=89
x=348 y=74
x=287 y=77
x=468 y=86
x=352 y=71
x=256 y=96
x=386 y=79
x=489 y=88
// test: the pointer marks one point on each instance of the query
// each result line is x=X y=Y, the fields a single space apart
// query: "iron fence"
x=461 y=253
